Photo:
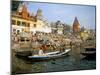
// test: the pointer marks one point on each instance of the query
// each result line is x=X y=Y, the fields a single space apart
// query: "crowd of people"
x=42 y=39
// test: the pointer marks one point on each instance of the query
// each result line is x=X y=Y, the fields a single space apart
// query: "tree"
x=15 y=5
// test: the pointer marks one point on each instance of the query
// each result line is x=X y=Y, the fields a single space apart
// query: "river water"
x=74 y=61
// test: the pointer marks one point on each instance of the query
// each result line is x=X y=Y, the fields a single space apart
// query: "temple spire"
x=76 y=25
x=20 y=7
x=39 y=14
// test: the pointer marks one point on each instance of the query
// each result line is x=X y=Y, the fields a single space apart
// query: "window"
x=34 y=25
x=13 y=22
x=18 y=31
x=14 y=30
x=28 y=24
x=18 y=23
x=23 y=24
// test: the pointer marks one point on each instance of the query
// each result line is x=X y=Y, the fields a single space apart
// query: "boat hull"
x=48 y=57
x=89 y=53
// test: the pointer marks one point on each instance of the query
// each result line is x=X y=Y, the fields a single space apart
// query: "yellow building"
x=84 y=34
x=22 y=21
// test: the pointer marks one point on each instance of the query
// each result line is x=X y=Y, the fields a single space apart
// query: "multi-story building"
x=23 y=21
x=57 y=27
x=60 y=28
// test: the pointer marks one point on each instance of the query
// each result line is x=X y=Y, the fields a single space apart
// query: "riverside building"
x=23 y=21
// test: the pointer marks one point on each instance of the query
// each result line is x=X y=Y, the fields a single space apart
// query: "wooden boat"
x=23 y=53
x=90 y=49
x=51 y=55
x=89 y=52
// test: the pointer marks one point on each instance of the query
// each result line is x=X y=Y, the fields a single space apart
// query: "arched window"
x=18 y=23
x=35 y=25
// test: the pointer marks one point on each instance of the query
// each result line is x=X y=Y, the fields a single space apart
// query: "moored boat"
x=23 y=53
x=89 y=52
x=50 y=55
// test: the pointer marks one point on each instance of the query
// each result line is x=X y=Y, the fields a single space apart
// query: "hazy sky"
x=65 y=13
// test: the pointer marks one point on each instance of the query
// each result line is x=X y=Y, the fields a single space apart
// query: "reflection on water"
x=69 y=63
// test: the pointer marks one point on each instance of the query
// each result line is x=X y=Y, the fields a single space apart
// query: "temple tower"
x=76 y=25
x=39 y=14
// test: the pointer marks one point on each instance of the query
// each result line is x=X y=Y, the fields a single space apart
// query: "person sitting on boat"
x=62 y=48
x=41 y=53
